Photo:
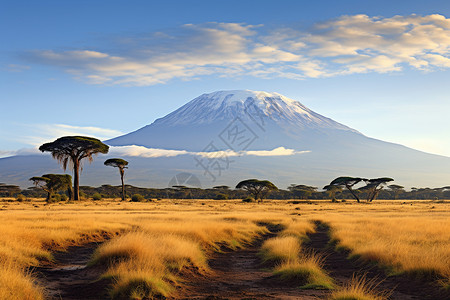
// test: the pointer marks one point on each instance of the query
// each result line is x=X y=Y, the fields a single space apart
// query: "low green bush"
x=97 y=196
x=137 y=198
x=221 y=196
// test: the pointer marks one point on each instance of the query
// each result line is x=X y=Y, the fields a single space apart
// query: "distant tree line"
x=69 y=151
x=225 y=192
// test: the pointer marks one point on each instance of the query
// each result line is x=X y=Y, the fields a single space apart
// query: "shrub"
x=97 y=196
x=221 y=196
x=64 y=197
x=54 y=198
x=21 y=198
x=248 y=200
x=137 y=198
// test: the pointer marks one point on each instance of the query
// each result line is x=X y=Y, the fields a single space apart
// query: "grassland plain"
x=149 y=244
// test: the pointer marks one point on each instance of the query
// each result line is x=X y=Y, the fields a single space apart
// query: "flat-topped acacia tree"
x=348 y=182
x=258 y=188
x=374 y=186
x=121 y=164
x=52 y=183
x=70 y=150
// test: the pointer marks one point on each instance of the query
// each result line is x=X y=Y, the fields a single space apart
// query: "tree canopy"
x=52 y=183
x=302 y=191
x=348 y=182
x=70 y=150
x=9 y=189
x=374 y=186
x=257 y=188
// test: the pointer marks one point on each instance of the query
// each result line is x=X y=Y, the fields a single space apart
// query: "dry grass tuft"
x=293 y=264
x=359 y=288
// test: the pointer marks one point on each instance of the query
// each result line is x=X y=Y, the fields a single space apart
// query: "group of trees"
x=70 y=151
x=372 y=187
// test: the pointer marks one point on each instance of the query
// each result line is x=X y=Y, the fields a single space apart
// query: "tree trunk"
x=123 y=185
x=351 y=191
x=76 y=180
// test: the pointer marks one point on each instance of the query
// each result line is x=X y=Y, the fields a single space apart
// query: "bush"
x=21 y=198
x=137 y=198
x=97 y=196
x=54 y=198
x=221 y=196
x=248 y=200
x=64 y=197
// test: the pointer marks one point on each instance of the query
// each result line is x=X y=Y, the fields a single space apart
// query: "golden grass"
x=359 y=288
x=292 y=263
x=146 y=262
x=405 y=237
x=419 y=245
x=17 y=283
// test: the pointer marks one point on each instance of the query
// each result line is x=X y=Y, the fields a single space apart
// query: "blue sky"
x=103 y=68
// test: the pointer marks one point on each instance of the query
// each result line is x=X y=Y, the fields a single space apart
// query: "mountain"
x=227 y=136
x=273 y=119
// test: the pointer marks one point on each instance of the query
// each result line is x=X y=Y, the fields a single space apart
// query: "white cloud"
x=23 y=151
x=280 y=151
x=346 y=45
x=141 y=151
x=17 y=68
x=37 y=134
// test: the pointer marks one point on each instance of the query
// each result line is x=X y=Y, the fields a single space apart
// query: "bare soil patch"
x=70 y=278
x=241 y=274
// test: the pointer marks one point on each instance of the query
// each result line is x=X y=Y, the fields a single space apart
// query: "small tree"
x=121 y=164
x=258 y=188
x=332 y=190
x=348 y=182
x=52 y=183
x=374 y=186
x=9 y=189
x=397 y=189
x=71 y=150
x=302 y=191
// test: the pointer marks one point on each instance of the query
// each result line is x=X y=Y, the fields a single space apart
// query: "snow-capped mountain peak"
x=227 y=105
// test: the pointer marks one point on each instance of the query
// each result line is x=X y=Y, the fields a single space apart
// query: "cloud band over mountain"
x=346 y=45
x=141 y=151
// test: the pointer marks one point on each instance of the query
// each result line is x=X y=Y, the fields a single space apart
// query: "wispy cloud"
x=16 y=68
x=42 y=133
x=346 y=45
x=23 y=151
x=141 y=151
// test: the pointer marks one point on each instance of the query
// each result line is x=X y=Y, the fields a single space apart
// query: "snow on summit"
x=227 y=105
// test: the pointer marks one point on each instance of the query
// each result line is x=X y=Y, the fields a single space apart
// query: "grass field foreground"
x=174 y=235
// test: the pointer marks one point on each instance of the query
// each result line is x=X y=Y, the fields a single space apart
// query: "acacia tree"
x=348 y=182
x=258 y=188
x=52 y=183
x=121 y=164
x=70 y=150
x=332 y=190
x=9 y=189
x=374 y=186
x=302 y=191
x=397 y=189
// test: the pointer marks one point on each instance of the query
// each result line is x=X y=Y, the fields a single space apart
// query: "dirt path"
x=240 y=275
x=69 y=278
x=342 y=270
